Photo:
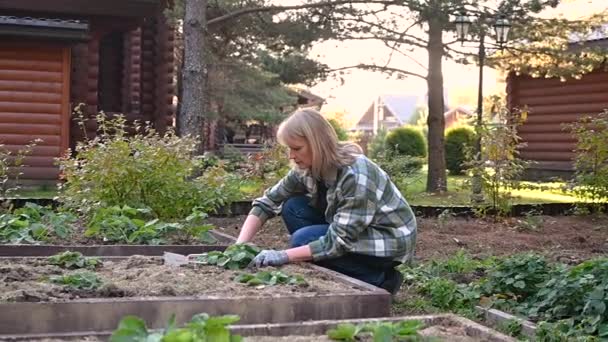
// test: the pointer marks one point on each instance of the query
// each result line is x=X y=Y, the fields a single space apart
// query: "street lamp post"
x=502 y=27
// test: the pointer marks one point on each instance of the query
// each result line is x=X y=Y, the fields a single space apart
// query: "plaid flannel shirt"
x=366 y=212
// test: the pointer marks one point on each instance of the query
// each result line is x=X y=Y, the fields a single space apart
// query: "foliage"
x=457 y=140
x=201 y=328
x=376 y=145
x=402 y=169
x=517 y=277
x=591 y=177
x=341 y=133
x=270 y=278
x=9 y=179
x=140 y=170
x=269 y=165
x=74 y=260
x=33 y=224
x=499 y=165
x=237 y=256
x=137 y=226
x=406 y=141
x=87 y=281
x=379 y=331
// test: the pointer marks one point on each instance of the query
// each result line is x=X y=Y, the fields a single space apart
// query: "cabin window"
x=111 y=56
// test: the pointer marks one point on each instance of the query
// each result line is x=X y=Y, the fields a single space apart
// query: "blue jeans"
x=307 y=224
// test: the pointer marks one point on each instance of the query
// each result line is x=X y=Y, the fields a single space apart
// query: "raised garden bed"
x=142 y=286
x=444 y=327
x=114 y=250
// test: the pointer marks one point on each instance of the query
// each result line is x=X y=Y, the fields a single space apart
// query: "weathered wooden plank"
x=30 y=86
x=570 y=98
x=570 y=108
x=29 y=97
x=37 y=53
x=39 y=173
x=20 y=128
x=554 y=146
x=541 y=128
x=547 y=156
x=540 y=136
x=564 y=89
x=537 y=118
x=24 y=139
x=30 y=118
x=25 y=64
x=27 y=75
x=37 y=161
x=39 y=151
x=30 y=108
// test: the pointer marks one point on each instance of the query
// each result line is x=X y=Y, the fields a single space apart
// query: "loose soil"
x=27 y=280
x=569 y=239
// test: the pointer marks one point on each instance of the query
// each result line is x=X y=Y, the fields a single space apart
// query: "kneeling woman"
x=341 y=210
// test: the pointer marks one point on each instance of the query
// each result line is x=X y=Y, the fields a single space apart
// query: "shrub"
x=141 y=170
x=340 y=131
x=407 y=141
x=591 y=177
x=376 y=146
x=457 y=140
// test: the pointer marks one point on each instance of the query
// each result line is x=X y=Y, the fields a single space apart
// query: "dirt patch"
x=138 y=276
x=563 y=238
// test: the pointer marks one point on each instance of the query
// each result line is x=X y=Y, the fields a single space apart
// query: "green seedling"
x=81 y=281
x=234 y=257
x=270 y=278
x=74 y=260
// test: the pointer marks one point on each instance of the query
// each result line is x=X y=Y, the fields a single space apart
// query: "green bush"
x=340 y=131
x=407 y=141
x=456 y=142
x=144 y=170
x=376 y=146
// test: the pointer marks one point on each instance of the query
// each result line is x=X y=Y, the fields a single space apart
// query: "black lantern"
x=463 y=23
x=502 y=27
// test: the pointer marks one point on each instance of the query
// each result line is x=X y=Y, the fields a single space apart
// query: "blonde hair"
x=327 y=152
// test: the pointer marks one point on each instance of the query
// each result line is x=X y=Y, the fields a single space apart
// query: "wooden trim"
x=65 y=102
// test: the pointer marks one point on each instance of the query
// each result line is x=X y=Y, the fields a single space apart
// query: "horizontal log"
x=38 y=53
x=571 y=98
x=24 y=139
x=21 y=75
x=30 y=97
x=572 y=108
x=37 y=161
x=547 y=156
x=25 y=107
x=25 y=64
x=31 y=86
x=549 y=146
x=44 y=173
x=534 y=118
x=566 y=89
x=13 y=128
x=37 y=151
x=530 y=83
x=541 y=128
x=557 y=137
x=20 y=118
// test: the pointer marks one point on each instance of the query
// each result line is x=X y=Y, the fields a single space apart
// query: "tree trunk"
x=191 y=111
x=436 y=179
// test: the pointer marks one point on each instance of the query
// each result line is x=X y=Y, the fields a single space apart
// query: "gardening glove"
x=269 y=257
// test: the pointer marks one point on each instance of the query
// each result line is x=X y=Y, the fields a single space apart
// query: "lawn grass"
x=459 y=193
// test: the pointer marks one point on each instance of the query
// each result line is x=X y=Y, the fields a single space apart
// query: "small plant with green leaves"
x=379 y=331
x=34 y=224
x=270 y=278
x=444 y=217
x=74 y=260
x=87 y=281
x=201 y=328
x=237 y=256
x=532 y=220
x=511 y=327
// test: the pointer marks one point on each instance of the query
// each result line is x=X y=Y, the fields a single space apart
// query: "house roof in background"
x=44 y=27
x=402 y=106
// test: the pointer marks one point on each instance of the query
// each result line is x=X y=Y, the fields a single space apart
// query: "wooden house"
x=388 y=112
x=553 y=104
x=114 y=56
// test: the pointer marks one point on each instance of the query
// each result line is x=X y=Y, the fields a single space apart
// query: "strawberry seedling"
x=74 y=260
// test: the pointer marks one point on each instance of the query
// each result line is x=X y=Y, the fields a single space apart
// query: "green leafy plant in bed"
x=138 y=226
x=80 y=281
x=235 y=257
x=33 y=224
x=202 y=328
x=74 y=260
x=379 y=331
x=270 y=278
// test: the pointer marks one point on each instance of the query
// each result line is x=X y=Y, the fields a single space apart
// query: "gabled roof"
x=402 y=107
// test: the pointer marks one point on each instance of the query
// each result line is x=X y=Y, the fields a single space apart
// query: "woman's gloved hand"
x=270 y=257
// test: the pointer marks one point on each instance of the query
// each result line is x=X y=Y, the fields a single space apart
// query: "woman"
x=342 y=211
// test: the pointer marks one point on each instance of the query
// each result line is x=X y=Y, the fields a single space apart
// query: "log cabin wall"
x=125 y=67
x=552 y=104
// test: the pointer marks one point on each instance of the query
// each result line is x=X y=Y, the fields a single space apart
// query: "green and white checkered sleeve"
x=270 y=204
